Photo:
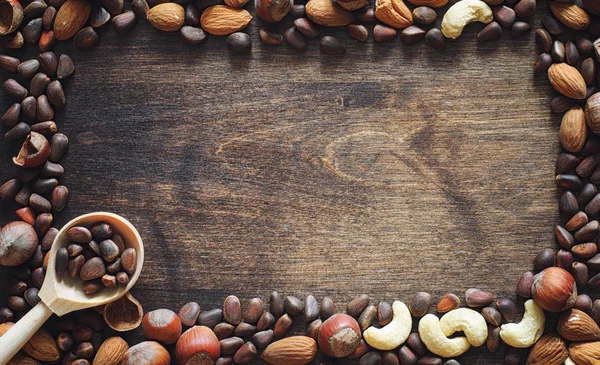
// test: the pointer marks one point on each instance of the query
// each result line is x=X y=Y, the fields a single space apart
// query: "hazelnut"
x=34 y=152
x=12 y=16
x=18 y=242
x=162 y=325
x=147 y=353
x=198 y=345
x=339 y=335
x=273 y=11
x=554 y=289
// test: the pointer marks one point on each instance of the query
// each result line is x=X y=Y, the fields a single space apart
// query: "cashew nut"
x=528 y=331
x=394 y=333
x=467 y=320
x=436 y=341
x=463 y=13
x=568 y=361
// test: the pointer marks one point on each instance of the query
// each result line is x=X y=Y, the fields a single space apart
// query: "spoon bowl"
x=62 y=295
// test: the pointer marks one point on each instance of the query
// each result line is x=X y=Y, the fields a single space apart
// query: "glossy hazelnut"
x=554 y=289
x=162 y=325
x=339 y=335
x=147 y=353
x=198 y=345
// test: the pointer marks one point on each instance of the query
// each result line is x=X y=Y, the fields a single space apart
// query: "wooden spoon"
x=65 y=295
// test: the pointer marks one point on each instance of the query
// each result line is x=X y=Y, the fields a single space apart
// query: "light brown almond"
x=570 y=15
x=224 y=20
x=70 y=18
x=168 y=17
x=42 y=347
x=393 y=13
x=295 y=350
x=576 y=325
x=585 y=353
x=111 y=351
x=328 y=13
x=573 y=130
x=567 y=80
x=550 y=349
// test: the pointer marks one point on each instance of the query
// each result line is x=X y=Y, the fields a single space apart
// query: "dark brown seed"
x=113 y=267
x=79 y=234
x=23 y=195
x=406 y=356
x=519 y=28
x=419 y=304
x=389 y=358
x=17 y=133
x=542 y=64
x=232 y=309
x=74 y=250
x=543 y=40
x=46 y=128
x=65 y=342
x=584 y=250
x=313 y=328
x=412 y=35
x=478 y=298
x=282 y=326
x=44 y=186
x=114 y=7
x=48 y=18
x=33 y=31
x=122 y=279
x=42 y=224
x=109 y=251
x=266 y=321
x=588 y=192
x=101 y=231
x=93 y=269
x=16 y=304
x=9 y=63
x=583 y=303
x=244 y=329
x=239 y=43
x=588 y=232
x=357 y=305
x=311 y=308
x=382 y=33
x=262 y=339
x=141 y=8
x=245 y=354
x=552 y=25
x=28 y=68
x=9 y=189
x=49 y=238
x=424 y=15
x=568 y=204
x=47 y=41
x=276 y=304
x=565 y=161
x=44 y=109
x=210 y=318
x=307 y=28
x=224 y=361
x=588 y=70
x=31 y=297
x=494 y=341
x=75 y=265
x=580 y=273
x=414 y=342
x=124 y=22
x=128 y=260
x=56 y=94
x=269 y=37
x=14 y=286
x=558 y=51
x=584 y=45
x=358 y=31
x=223 y=330
x=66 y=67
x=39 y=83
x=92 y=287
x=192 y=35
x=507 y=308
x=49 y=63
x=564 y=259
x=99 y=16
x=298 y=11
x=370 y=358
x=59 y=197
x=505 y=16
x=564 y=238
x=13 y=41
x=431 y=360
x=332 y=45
x=384 y=313
x=593 y=207
x=14 y=89
x=594 y=281
x=572 y=54
x=86 y=38
x=192 y=15
x=544 y=259
x=39 y=203
x=35 y=9
x=61 y=261
x=253 y=311
x=293 y=306
x=524 y=285
x=525 y=8
x=367 y=317
x=295 y=39
x=586 y=167
x=58 y=146
x=366 y=15
x=37 y=260
x=11 y=117
x=327 y=308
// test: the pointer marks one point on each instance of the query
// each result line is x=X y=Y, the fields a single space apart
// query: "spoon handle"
x=14 y=339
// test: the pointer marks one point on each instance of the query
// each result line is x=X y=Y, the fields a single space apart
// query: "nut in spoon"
x=65 y=295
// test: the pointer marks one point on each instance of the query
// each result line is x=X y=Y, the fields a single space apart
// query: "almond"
x=168 y=17
x=22 y=359
x=393 y=13
x=328 y=13
x=111 y=351
x=70 y=18
x=434 y=3
x=550 y=349
x=236 y=3
x=570 y=15
x=573 y=131
x=295 y=350
x=567 y=80
x=353 y=4
x=42 y=347
x=585 y=353
x=576 y=325
x=224 y=20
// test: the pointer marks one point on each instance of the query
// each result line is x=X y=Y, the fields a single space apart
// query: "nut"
x=273 y=11
x=223 y=20
x=12 y=16
x=232 y=310
x=395 y=333
x=339 y=335
x=34 y=152
x=393 y=13
x=198 y=345
x=70 y=18
x=576 y=325
x=549 y=350
x=570 y=15
x=467 y=320
x=147 y=353
x=357 y=305
x=42 y=347
x=573 y=130
x=462 y=13
x=434 y=339
x=430 y=3
x=188 y=314
x=353 y=4
x=554 y=289
x=567 y=80
x=162 y=325
x=448 y=303
x=111 y=351
x=585 y=353
x=18 y=242
x=328 y=13
x=124 y=314
x=478 y=298
x=168 y=17
x=528 y=331
x=295 y=350
x=592 y=113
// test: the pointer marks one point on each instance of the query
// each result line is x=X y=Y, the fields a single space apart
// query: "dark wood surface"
x=386 y=171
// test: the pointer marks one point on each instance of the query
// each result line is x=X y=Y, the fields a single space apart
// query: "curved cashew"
x=568 y=361
x=528 y=331
x=393 y=334
x=467 y=320
x=436 y=341
x=463 y=13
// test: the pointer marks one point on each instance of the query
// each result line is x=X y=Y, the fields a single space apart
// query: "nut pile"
x=98 y=256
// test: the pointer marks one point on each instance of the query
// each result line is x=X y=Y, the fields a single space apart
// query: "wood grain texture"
x=387 y=171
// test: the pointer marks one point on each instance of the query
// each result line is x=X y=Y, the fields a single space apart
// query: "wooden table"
x=387 y=171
